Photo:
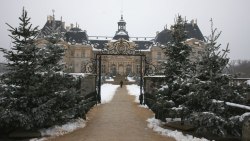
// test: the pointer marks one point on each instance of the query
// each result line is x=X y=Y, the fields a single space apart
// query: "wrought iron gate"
x=119 y=48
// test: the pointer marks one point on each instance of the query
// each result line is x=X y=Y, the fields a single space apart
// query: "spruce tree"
x=35 y=93
x=19 y=80
x=211 y=89
x=58 y=99
x=177 y=71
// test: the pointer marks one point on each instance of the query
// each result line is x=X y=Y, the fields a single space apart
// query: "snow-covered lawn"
x=178 y=136
x=107 y=92
x=134 y=90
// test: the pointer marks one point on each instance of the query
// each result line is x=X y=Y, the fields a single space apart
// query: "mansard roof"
x=49 y=25
x=192 y=30
x=98 y=44
x=76 y=35
x=143 y=45
x=121 y=34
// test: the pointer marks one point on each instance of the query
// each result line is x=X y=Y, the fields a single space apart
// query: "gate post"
x=99 y=78
x=141 y=96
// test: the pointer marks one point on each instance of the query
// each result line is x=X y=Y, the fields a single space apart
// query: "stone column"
x=246 y=129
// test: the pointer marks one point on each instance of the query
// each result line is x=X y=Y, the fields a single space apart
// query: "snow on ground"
x=144 y=106
x=109 y=79
x=61 y=130
x=178 y=136
x=155 y=124
x=130 y=79
x=134 y=90
x=107 y=92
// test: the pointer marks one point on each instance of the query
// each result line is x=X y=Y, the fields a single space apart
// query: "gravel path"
x=119 y=120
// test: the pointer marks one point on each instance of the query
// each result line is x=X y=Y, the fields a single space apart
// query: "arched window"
x=113 y=69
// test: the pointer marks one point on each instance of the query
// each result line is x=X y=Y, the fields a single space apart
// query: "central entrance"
x=120 y=70
x=118 y=50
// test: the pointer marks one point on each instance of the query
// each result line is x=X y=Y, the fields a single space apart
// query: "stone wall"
x=152 y=83
x=246 y=130
x=88 y=84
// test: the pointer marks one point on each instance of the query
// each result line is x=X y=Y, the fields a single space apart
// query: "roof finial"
x=53 y=11
x=122 y=9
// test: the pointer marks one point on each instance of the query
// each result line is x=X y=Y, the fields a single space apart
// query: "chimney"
x=63 y=24
x=67 y=28
x=192 y=22
x=157 y=32
x=49 y=18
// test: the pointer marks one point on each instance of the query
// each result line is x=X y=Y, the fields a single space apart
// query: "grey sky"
x=143 y=17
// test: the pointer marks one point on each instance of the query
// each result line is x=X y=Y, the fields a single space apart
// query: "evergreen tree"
x=210 y=87
x=177 y=70
x=19 y=80
x=35 y=92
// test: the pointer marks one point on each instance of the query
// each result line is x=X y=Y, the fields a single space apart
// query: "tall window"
x=83 y=53
x=158 y=55
x=138 y=69
x=103 y=68
x=128 y=69
x=113 y=69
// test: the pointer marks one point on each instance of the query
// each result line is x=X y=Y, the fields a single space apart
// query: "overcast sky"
x=144 y=17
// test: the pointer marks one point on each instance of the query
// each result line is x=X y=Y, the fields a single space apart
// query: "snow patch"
x=76 y=75
x=248 y=82
x=130 y=79
x=144 y=106
x=242 y=117
x=108 y=92
x=64 y=129
x=163 y=88
x=232 y=104
x=178 y=136
x=61 y=130
x=134 y=90
x=109 y=79
x=238 y=105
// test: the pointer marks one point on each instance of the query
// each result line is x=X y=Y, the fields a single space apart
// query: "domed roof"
x=121 y=32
